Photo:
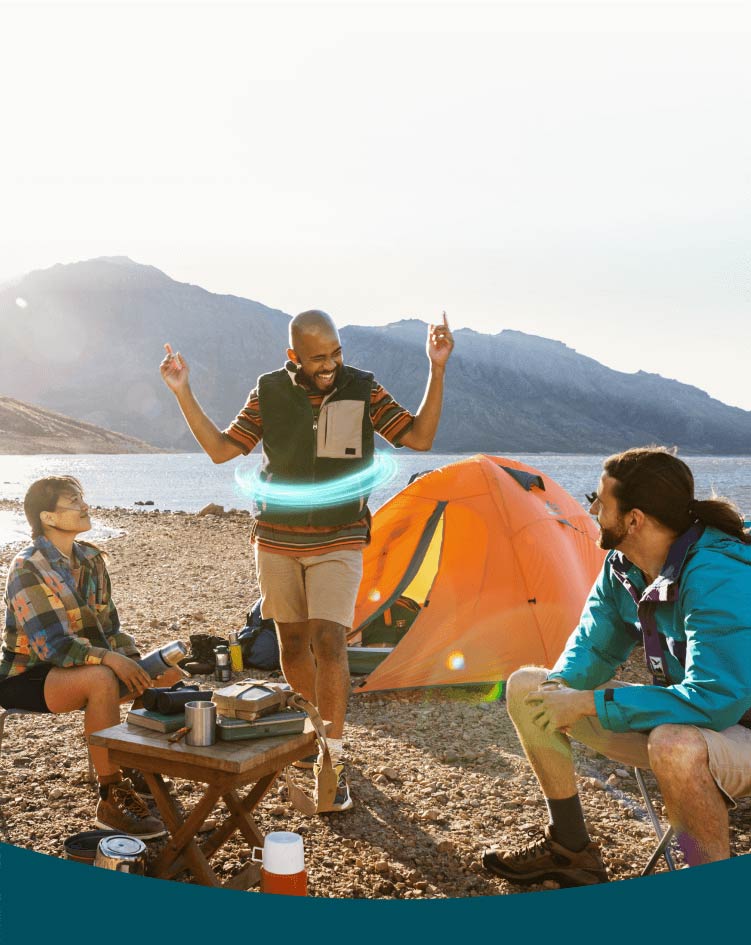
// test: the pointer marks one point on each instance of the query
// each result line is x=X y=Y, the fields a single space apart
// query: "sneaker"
x=140 y=785
x=543 y=859
x=306 y=764
x=123 y=810
x=342 y=799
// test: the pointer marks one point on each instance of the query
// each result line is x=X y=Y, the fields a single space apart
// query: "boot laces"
x=536 y=845
x=125 y=797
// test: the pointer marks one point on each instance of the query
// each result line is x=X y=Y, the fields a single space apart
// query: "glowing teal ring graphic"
x=319 y=495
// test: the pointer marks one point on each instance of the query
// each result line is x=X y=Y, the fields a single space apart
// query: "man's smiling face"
x=319 y=354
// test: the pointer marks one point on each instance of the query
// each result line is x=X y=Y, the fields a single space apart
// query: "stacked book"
x=156 y=721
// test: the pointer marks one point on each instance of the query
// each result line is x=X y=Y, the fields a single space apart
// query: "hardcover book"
x=156 y=721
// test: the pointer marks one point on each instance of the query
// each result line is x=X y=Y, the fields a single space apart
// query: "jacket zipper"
x=315 y=443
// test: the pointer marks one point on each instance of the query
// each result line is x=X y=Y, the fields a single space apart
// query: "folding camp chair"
x=664 y=836
x=6 y=713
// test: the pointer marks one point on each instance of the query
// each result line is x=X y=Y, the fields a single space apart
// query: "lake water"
x=189 y=481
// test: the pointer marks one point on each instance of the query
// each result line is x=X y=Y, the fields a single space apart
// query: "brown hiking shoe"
x=123 y=810
x=543 y=859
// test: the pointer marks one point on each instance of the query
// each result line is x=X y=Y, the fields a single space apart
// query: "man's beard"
x=612 y=537
x=310 y=381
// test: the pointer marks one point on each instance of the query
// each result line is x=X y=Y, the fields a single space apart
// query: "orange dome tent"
x=495 y=558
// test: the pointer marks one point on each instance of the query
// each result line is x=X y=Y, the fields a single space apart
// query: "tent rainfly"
x=473 y=570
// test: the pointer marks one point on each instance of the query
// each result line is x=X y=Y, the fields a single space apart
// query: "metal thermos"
x=200 y=720
x=159 y=661
x=122 y=853
x=223 y=671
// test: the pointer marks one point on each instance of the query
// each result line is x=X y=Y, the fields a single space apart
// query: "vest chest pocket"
x=339 y=433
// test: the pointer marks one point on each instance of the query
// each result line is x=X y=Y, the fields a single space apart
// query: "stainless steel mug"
x=200 y=720
x=122 y=853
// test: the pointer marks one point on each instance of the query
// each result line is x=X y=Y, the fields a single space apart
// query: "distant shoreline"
x=504 y=451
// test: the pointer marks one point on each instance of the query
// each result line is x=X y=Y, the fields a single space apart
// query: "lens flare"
x=496 y=693
x=320 y=495
x=374 y=595
x=22 y=303
x=455 y=660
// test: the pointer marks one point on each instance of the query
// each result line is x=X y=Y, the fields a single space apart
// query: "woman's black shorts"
x=26 y=691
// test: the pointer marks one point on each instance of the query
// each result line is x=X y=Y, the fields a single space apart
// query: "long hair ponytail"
x=654 y=480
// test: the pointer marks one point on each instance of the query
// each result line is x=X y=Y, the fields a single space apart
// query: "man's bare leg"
x=296 y=657
x=696 y=808
x=332 y=672
x=549 y=752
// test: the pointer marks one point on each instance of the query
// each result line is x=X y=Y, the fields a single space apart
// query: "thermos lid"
x=122 y=845
x=283 y=853
x=173 y=652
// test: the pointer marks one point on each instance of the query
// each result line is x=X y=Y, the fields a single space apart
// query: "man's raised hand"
x=174 y=370
x=440 y=342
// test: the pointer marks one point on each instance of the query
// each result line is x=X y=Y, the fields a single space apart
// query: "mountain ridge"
x=89 y=341
x=27 y=429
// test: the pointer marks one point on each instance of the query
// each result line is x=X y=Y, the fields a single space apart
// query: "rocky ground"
x=436 y=775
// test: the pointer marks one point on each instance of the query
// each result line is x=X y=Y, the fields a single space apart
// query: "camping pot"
x=82 y=847
x=200 y=720
x=121 y=853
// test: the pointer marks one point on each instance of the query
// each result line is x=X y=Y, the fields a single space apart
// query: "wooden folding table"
x=224 y=768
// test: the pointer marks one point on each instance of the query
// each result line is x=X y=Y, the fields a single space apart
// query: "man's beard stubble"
x=610 y=538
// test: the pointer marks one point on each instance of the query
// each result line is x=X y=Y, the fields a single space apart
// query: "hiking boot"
x=543 y=859
x=140 y=786
x=123 y=810
x=342 y=799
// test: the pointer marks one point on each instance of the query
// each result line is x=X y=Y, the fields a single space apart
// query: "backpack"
x=392 y=624
x=260 y=647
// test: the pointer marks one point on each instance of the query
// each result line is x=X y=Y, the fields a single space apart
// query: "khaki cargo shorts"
x=729 y=751
x=310 y=587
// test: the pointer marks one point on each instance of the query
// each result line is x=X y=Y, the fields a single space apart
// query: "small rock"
x=212 y=509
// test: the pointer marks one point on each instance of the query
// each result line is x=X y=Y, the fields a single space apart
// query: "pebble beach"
x=436 y=775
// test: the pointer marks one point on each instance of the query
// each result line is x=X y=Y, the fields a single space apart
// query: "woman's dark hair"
x=653 y=479
x=42 y=496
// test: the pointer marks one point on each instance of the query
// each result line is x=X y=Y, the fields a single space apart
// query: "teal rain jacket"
x=700 y=606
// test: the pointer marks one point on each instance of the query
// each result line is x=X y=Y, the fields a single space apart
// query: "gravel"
x=436 y=775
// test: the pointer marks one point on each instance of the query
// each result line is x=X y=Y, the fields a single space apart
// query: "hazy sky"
x=578 y=171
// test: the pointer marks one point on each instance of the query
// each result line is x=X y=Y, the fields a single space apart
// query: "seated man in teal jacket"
x=678 y=579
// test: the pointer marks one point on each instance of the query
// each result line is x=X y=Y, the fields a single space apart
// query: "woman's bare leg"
x=95 y=689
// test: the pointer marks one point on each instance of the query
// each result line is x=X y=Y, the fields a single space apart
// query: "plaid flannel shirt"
x=55 y=617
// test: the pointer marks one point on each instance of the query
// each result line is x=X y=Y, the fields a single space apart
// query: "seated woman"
x=63 y=648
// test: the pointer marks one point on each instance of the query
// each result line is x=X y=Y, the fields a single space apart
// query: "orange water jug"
x=283 y=864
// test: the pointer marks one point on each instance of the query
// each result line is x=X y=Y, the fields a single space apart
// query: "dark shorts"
x=26 y=691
